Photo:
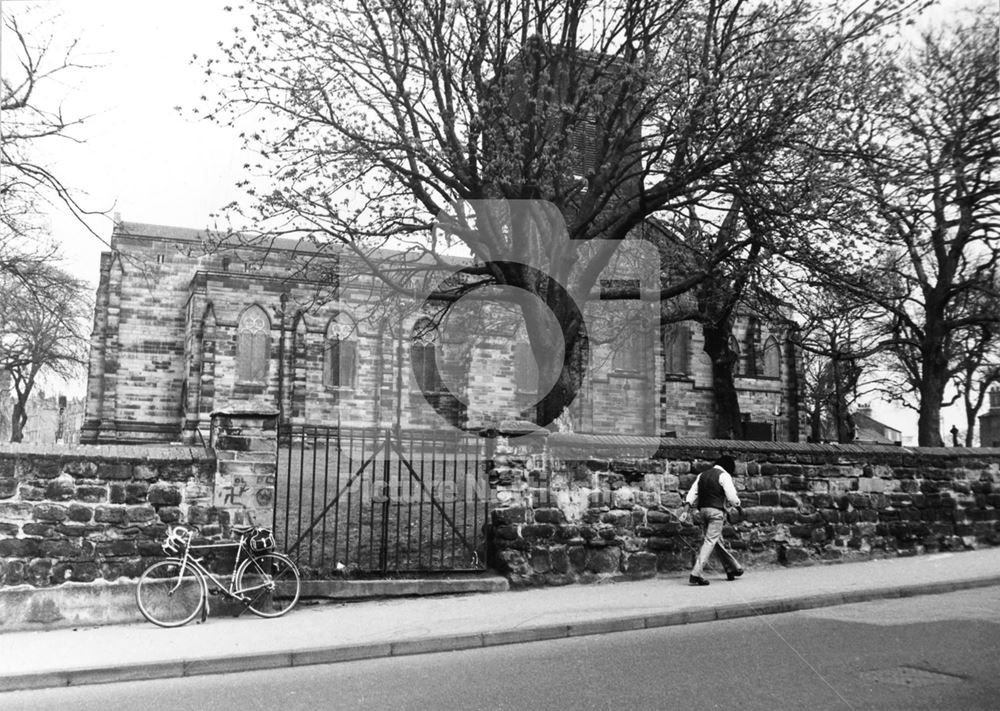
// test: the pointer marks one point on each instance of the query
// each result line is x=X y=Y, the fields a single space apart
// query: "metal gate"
x=377 y=501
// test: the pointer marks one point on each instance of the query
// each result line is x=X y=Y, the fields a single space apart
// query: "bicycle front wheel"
x=168 y=599
x=269 y=583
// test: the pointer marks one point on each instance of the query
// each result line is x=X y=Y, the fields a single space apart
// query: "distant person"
x=710 y=492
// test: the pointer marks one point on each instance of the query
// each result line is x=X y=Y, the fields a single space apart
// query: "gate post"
x=245 y=440
x=383 y=550
x=517 y=450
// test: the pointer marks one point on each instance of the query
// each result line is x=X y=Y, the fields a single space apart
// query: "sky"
x=137 y=155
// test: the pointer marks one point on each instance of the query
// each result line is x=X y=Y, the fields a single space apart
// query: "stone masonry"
x=70 y=513
x=84 y=514
x=164 y=352
x=246 y=444
x=565 y=508
x=572 y=508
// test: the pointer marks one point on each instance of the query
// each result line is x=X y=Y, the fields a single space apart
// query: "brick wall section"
x=76 y=513
x=571 y=508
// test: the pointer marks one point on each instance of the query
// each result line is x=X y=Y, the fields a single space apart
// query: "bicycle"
x=171 y=592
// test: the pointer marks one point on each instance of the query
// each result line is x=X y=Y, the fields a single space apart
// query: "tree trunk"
x=970 y=425
x=931 y=397
x=843 y=420
x=560 y=397
x=23 y=385
x=816 y=423
x=18 y=420
x=559 y=379
x=794 y=384
x=974 y=404
x=838 y=401
x=728 y=422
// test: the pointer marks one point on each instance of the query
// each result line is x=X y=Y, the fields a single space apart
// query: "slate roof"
x=871 y=430
x=188 y=234
x=237 y=240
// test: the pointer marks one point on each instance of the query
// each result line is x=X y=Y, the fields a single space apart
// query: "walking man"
x=711 y=491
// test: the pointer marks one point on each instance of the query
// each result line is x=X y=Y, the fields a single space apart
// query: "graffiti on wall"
x=249 y=498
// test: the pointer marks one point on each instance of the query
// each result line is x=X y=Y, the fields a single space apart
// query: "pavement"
x=328 y=633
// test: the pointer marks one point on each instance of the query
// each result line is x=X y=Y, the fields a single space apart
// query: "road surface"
x=931 y=652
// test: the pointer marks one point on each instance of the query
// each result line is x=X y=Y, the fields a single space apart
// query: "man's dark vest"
x=710 y=491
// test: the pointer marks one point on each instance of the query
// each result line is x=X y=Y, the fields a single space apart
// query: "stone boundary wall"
x=577 y=508
x=86 y=513
x=79 y=524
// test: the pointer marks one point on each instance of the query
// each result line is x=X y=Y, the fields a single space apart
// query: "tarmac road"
x=929 y=652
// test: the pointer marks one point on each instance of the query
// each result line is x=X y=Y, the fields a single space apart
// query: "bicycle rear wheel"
x=168 y=599
x=270 y=583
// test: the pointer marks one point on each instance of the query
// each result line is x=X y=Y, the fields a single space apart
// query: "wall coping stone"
x=664 y=446
x=247 y=410
x=514 y=429
x=135 y=452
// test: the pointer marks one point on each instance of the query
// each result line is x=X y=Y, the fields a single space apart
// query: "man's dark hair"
x=727 y=463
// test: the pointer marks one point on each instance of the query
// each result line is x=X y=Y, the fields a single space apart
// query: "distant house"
x=51 y=419
x=989 y=423
x=871 y=431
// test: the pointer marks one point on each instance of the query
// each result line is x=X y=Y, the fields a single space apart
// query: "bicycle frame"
x=171 y=592
x=230 y=591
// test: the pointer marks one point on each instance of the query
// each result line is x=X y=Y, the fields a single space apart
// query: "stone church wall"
x=164 y=351
x=164 y=340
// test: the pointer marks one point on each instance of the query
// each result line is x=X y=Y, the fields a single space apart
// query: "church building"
x=187 y=323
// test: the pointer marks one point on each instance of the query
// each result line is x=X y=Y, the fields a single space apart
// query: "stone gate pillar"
x=515 y=464
x=245 y=440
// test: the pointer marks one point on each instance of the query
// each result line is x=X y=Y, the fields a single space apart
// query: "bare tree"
x=930 y=137
x=838 y=337
x=786 y=230
x=727 y=257
x=27 y=187
x=40 y=333
x=978 y=371
x=378 y=116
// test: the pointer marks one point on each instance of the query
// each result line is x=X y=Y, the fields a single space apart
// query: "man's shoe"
x=696 y=580
x=733 y=574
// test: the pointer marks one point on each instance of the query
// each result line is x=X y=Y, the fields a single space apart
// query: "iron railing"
x=378 y=501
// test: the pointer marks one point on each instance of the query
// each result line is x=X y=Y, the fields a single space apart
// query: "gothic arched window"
x=253 y=345
x=423 y=355
x=734 y=346
x=677 y=350
x=629 y=354
x=772 y=359
x=753 y=362
x=340 y=352
x=525 y=369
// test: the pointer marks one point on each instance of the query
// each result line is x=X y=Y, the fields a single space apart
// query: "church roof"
x=230 y=239
x=871 y=430
x=236 y=240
